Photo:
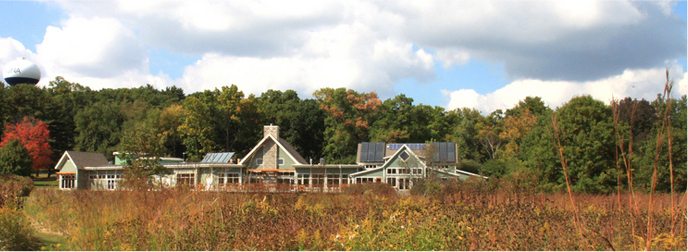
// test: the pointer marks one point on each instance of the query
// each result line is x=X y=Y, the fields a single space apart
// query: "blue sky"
x=481 y=54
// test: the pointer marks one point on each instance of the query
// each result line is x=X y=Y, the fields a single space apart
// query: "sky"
x=485 y=55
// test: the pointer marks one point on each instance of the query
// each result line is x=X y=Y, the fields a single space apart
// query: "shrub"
x=15 y=159
x=16 y=232
x=381 y=189
x=13 y=188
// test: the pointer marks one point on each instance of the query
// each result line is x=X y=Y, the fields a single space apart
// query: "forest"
x=602 y=144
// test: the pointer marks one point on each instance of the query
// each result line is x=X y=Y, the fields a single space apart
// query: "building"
x=274 y=165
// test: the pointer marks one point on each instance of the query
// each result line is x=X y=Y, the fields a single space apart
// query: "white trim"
x=260 y=144
x=389 y=161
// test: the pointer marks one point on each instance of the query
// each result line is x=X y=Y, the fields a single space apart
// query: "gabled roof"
x=391 y=158
x=283 y=144
x=82 y=159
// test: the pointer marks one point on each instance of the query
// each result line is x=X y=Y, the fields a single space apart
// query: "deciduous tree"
x=33 y=135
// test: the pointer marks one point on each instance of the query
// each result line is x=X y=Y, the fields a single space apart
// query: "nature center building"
x=274 y=165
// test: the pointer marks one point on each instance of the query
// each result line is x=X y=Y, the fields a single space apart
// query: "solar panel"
x=413 y=146
x=220 y=157
x=372 y=152
x=379 y=151
x=444 y=152
x=451 y=152
x=364 y=152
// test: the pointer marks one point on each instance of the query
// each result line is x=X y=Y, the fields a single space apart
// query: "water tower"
x=21 y=71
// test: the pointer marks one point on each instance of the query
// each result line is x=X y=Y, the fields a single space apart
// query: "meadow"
x=469 y=215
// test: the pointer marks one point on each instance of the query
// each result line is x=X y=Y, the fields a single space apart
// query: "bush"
x=471 y=166
x=382 y=189
x=13 y=188
x=15 y=159
x=16 y=232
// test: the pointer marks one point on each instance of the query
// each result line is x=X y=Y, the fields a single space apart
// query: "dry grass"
x=467 y=218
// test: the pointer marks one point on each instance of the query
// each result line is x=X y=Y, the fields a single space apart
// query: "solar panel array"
x=372 y=152
x=220 y=157
x=413 y=146
x=444 y=152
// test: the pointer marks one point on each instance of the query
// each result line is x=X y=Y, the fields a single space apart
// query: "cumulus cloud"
x=551 y=40
x=367 y=45
x=646 y=83
x=95 y=47
x=328 y=66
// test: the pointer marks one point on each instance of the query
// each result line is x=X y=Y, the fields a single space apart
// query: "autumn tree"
x=33 y=135
x=350 y=114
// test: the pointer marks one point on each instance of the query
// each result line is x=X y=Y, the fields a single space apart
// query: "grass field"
x=468 y=218
x=43 y=181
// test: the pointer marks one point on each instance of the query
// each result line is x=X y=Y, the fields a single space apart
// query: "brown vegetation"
x=473 y=215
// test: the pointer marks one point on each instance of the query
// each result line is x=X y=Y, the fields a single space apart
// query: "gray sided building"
x=274 y=165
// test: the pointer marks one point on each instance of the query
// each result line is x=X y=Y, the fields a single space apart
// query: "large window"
x=392 y=181
x=318 y=180
x=227 y=178
x=404 y=184
x=302 y=179
x=67 y=181
x=186 y=179
x=332 y=180
x=365 y=180
x=112 y=181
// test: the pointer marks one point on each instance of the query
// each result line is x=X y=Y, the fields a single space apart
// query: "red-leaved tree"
x=34 y=135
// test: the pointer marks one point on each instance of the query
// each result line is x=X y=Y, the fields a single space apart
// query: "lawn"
x=43 y=181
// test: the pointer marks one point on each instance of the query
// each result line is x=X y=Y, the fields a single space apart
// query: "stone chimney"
x=270 y=148
x=271 y=130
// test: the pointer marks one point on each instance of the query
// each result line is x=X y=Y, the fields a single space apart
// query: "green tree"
x=99 y=127
x=197 y=130
x=350 y=114
x=142 y=147
x=15 y=159
x=644 y=160
x=465 y=133
x=67 y=99
x=587 y=138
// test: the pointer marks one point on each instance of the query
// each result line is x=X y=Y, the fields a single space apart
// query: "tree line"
x=602 y=144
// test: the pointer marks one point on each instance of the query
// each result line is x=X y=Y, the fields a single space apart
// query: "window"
x=391 y=171
x=365 y=180
x=186 y=178
x=67 y=181
x=227 y=178
x=332 y=180
x=404 y=184
x=318 y=180
x=255 y=177
x=112 y=181
x=392 y=181
x=370 y=166
x=302 y=179
x=404 y=155
x=280 y=161
x=417 y=171
x=259 y=161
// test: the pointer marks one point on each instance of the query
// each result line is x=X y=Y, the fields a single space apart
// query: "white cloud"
x=366 y=46
x=97 y=47
x=644 y=83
